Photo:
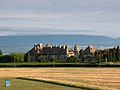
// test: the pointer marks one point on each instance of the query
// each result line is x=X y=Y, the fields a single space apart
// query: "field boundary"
x=59 y=83
x=58 y=65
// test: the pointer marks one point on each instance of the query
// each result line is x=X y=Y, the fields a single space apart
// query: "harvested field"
x=103 y=78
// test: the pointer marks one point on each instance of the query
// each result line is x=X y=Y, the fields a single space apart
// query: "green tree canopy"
x=117 y=54
x=18 y=57
x=72 y=59
x=1 y=52
x=82 y=55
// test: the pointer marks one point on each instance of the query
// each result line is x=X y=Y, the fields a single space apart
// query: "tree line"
x=17 y=57
x=107 y=55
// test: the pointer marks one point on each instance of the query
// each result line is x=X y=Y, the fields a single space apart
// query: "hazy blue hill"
x=58 y=39
x=24 y=43
x=119 y=40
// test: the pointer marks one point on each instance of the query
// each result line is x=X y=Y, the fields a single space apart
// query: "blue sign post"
x=7 y=83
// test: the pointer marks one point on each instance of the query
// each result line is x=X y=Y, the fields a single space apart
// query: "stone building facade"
x=89 y=53
x=90 y=50
x=48 y=52
x=59 y=53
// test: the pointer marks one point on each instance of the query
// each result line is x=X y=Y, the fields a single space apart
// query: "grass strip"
x=32 y=64
x=59 y=83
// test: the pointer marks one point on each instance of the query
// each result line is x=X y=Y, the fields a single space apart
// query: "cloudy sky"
x=41 y=17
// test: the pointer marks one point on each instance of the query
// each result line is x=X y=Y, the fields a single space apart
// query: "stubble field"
x=103 y=78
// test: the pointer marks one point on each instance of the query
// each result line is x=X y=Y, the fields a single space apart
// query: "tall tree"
x=28 y=57
x=117 y=54
x=108 y=56
x=114 y=58
x=97 y=55
x=111 y=57
x=82 y=55
x=100 y=56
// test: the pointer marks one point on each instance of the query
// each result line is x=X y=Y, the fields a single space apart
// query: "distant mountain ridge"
x=28 y=41
x=59 y=39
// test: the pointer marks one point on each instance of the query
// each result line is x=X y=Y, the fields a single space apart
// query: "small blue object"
x=7 y=83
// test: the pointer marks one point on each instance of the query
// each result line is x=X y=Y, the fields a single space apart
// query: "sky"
x=44 y=17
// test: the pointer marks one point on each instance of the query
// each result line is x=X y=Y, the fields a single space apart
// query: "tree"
x=1 y=59
x=82 y=55
x=1 y=52
x=18 y=57
x=28 y=56
x=105 y=57
x=108 y=56
x=54 y=58
x=41 y=58
x=114 y=58
x=100 y=56
x=25 y=57
x=111 y=57
x=117 y=54
x=72 y=59
x=7 y=58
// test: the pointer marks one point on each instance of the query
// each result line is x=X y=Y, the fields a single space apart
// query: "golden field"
x=103 y=78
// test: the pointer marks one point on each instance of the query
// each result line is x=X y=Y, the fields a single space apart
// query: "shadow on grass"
x=59 y=83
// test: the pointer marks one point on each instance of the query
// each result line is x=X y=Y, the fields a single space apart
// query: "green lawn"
x=17 y=84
